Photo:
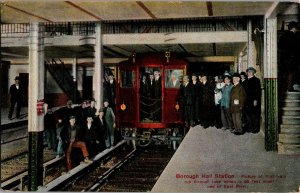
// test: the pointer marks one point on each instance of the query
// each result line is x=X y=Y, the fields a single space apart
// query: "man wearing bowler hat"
x=16 y=96
x=253 y=101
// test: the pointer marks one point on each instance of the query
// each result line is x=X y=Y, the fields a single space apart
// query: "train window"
x=150 y=95
x=173 y=78
x=127 y=79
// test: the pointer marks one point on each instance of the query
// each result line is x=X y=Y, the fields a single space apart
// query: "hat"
x=226 y=73
x=236 y=74
x=17 y=78
x=252 y=69
x=72 y=117
x=243 y=73
x=101 y=110
x=228 y=76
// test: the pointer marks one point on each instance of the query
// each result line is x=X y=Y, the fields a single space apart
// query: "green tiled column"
x=35 y=156
x=271 y=114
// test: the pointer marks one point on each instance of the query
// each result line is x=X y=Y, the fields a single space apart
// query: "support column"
x=270 y=84
x=98 y=68
x=74 y=75
x=250 y=46
x=35 y=104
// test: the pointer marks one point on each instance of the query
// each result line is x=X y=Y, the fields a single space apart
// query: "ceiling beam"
x=183 y=48
x=277 y=8
x=143 y=6
x=124 y=49
x=176 y=38
x=114 y=52
x=270 y=12
x=151 y=48
x=211 y=59
x=27 y=13
x=69 y=61
x=83 y=10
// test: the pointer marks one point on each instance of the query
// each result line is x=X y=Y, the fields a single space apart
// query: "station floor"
x=213 y=160
x=4 y=115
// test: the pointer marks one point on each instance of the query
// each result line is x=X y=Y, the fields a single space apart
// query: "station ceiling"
x=92 y=10
x=58 y=11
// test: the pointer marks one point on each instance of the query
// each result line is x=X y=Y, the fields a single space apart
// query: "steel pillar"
x=250 y=46
x=98 y=68
x=74 y=75
x=0 y=95
x=36 y=105
x=271 y=84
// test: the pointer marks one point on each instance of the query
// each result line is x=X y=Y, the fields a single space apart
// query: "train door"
x=150 y=95
x=126 y=96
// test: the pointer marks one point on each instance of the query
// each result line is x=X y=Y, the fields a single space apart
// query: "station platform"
x=213 y=160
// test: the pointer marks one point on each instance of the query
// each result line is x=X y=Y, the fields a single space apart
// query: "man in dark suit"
x=253 y=101
x=16 y=92
x=207 y=102
x=157 y=96
x=188 y=96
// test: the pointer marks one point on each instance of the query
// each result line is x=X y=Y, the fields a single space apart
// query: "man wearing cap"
x=253 y=101
x=289 y=54
x=72 y=137
x=16 y=96
x=237 y=102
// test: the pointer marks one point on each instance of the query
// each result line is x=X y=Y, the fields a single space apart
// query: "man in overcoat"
x=237 y=103
x=253 y=102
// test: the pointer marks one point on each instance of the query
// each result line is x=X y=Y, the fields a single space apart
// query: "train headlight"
x=177 y=107
x=123 y=107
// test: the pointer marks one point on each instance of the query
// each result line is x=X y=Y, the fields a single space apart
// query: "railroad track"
x=123 y=168
x=14 y=170
x=141 y=173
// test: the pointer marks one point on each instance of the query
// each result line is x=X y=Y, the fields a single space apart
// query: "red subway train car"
x=148 y=97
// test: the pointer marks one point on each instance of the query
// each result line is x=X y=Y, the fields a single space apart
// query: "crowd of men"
x=80 y=127
x=231 y=101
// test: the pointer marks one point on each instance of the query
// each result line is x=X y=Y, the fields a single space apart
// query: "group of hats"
x=248 y=69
